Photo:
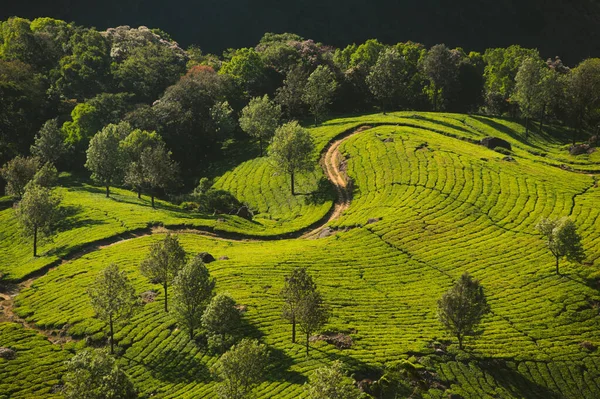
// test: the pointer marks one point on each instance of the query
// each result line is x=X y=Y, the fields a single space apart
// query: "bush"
x=217 y=202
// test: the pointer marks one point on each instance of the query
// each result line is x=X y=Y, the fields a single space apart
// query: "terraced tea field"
x=426 y=205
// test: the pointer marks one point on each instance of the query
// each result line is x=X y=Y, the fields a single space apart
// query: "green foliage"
x=49 y=142
x=163 y=263
x=582 y=92
x=17 y=173
x=386 y=80
x=461 y=309
x=319 y=90
x=528 y=88
x=440 y=66
x=246 y=67
x=158 y=171
x=562 y=239
x=311 y=314
x=46 y=176
x=298 y=285
x=221 y=320
x=289 y=95
x=104 y=156
x=94 y=374
x=241 y=368
x=260 y=118
x=192 y=289
x=113 y=298
x=330 y=382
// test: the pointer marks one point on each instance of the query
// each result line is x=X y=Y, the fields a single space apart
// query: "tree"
x=220 y=318
x=289 y=96
x=527 y=91
x=331 y=382
x=113 y=298
x=37 y=211
x=221 y=119
x=386 y=80
x=192 y=288
x=247 y=69
x=165 y=260
x=562 y=239
x=291 y=150
x=297 y=285
x=241 y=368
x=105 y=158
x=17 y=173
x=133 y=146
x=94 y=374
x=260 y=118
x=159 y=171
x=49 y=143
x=583 y=93
x=46 y=176
x=440 y=66
x=311 y=314
x=461 y=309
x=319 y=91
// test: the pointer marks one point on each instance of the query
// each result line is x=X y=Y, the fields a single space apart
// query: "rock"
x=373 y=220
x=579 y=149
x=493 y=142
x=245 y=212
x=566 y=167
x=242 y=308
x=220 y=220
x=224 y=258
x=7 y=354
x=389 y=140
x=148 y=296
x=594 y=140
x=509 y=159
x=326 y=232
x=440 y=351
x=588 y=346
x=205 y=257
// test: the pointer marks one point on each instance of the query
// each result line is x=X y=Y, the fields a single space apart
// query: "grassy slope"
x=444 y=210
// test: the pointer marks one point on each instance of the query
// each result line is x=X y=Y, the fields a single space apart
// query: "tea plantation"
x=428 y=204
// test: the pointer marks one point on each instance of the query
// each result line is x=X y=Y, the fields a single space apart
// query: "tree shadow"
x=506 y=130
x=67 y=219
x=175 y=366
x=322 y=194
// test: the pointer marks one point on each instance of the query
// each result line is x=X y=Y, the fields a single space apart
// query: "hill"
x=427 y=204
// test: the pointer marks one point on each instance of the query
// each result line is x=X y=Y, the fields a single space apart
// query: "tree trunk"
x=139 y=193
x=112 y=335
x=166 y=307
x=107 y=191
x=557 y=271
x=307 y=337
x=152 y=200
x=191 y=332
x=260 y=145
x=35 y=241
x=542 y=116
x=292 y=175
x=293 y=329
x=460 y=341
x=526 y=127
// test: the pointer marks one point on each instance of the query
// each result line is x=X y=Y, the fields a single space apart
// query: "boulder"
x=594 y=141
x=509 y=159
x=245 y=212
x=326 y=232
x=149 y=296
x=388 y=140
x=205 y=257
x=493 y=142
x=373 y=220
x=7 y=354
x=579 y=149
x=224 y=258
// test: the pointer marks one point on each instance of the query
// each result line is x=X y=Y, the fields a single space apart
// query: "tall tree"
x=461 y=309
x=163 y=263
x=562 y=239
x=94 y=374
x=193 y=287
x=260 y=118
x=291 y=150
x=289 y=96
x=49 y=143
x=133 y=146
x=297 y=285
x=583 y=93
x=37 y=212
x=331 y=382
x=158 y=170
x=241 y=368
x=113 y=298
x=440 y=66
x=318 y=92
x=17 y=173
x=104 y=156
x=312 y=314
x=220 y=319
x=527 y=91
x=385 y=80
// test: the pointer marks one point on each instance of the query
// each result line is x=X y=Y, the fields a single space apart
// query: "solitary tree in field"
x=193 y=288
x=165 y=260
x=461 y=308
x=562 y=239
x=37 y=211
x=113 y=298
x=260 y=118
x=385 y=78
x=297 y=285
x=241 y=368
x=105 y=158
x=220 y=318
x=331 y=382
x=528 y=92
x=17 y=173
x=49 y=143
x=319 y=91
x=312 y=315
x=94 y=374
x=291 y=150
x=159 y=170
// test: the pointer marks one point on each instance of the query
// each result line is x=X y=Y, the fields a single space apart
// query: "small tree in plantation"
x=461 y=309
x=260 y=118
x=220 y=318
x=297 y=285
x=164 y=262
x=192 y=288
x=94 y=374
x=241 y=368
x=331 y=382
x=105 y=158
x=312 y=315
x=562 y=239
x=160 y=172
x=319 y=91
x=291 y=150
x=37 y=211
x=113 y=298
x=49 y=143
x=17 y=173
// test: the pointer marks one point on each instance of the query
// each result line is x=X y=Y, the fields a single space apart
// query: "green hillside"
x=428 y=204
